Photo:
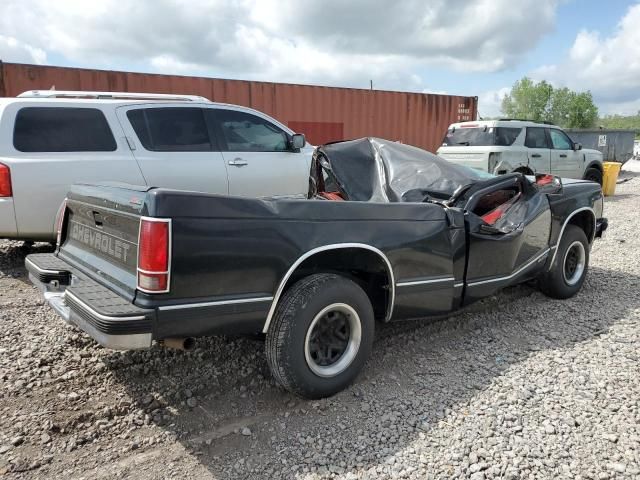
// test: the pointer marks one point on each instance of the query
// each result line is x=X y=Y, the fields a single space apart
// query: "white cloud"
x=609 y=67
x=490 y=102
x=434 y=92
x=12 y=48
x=316 y=41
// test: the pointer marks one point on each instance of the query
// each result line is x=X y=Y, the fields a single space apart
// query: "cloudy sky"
x=465 y=47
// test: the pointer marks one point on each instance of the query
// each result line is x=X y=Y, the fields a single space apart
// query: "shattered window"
x=493 y=200
x=559 y=140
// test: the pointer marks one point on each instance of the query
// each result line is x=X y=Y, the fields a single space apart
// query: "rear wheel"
x=320 y=336
x=593 y=175
x=569 y=269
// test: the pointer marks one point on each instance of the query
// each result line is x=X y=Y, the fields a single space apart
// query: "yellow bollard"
x=611 y=171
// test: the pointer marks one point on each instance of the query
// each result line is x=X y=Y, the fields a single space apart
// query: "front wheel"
x=593 y=175
x=569 y=269
x=320 y=336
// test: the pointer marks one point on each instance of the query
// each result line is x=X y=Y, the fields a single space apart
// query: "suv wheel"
x=593 y=175
x=321 y=335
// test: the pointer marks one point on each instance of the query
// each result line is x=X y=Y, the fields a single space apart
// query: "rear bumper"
x=601 y=226
x=8 y=227
x=108 y=318
x=115 y=322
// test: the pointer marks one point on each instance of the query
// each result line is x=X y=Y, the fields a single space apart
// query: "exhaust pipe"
x=186 y=343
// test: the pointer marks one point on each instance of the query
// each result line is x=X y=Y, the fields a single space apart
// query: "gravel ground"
x=518 y=386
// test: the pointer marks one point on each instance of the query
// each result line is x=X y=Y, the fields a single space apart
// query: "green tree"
x=527 y=100
x=559 y=106
x=541 y=102
x=582 y=112
x=624 y=122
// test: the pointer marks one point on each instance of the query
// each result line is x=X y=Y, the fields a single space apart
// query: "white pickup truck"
x=51 y=139
x=505 y=146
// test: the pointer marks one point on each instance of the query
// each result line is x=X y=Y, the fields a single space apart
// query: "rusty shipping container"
x=323 y=114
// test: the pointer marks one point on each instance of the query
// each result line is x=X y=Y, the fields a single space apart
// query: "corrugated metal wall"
x=615 y=145
x=322 y=113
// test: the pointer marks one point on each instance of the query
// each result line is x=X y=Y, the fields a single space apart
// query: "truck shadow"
x=221 y=404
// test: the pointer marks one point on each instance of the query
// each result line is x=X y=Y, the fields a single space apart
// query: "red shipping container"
x=322 y=113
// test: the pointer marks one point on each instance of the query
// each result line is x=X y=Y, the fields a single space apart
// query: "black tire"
x=562 y=281
x=290 y=345
x=593 y=175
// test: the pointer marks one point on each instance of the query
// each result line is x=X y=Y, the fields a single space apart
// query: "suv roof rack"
x=544 y=122
x=111 y=95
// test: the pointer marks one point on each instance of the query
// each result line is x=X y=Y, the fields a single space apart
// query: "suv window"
x=481 y=136
x=244 y=132
x=62 y=129
x=536 y=138
x=171 y=129
x=560 y=140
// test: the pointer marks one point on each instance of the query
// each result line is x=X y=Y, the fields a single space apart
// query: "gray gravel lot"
x=518 y=386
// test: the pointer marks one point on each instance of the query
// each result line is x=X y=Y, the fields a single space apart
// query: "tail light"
x=60 y=222
x=154 y=255
x=5 y=181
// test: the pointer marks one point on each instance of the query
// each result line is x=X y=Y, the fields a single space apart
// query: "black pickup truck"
x=389 y=232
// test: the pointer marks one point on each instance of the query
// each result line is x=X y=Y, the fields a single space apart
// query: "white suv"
x=51 y=139
x=504 y=146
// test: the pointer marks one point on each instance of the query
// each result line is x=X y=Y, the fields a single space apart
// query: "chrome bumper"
x=105 y=329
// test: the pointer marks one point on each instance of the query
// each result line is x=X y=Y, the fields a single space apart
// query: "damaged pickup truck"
x=389 y=232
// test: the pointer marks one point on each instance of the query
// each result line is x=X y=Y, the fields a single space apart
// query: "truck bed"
x=230 y=254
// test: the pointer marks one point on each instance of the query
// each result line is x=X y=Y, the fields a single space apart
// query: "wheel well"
x=595 y=165
x=585 y=221
x=366 y=267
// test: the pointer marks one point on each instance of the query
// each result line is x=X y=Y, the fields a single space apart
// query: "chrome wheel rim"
x=333 y=340
x=574 y=263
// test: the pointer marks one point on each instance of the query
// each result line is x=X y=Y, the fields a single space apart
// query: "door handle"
x=97 y=218
x=238 y=162
x=563 y=155
x=536 y=155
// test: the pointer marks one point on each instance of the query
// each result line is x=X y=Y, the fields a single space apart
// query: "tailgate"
x=473 y=159
x=100 y=233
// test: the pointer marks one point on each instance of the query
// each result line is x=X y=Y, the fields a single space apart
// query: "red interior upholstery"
x=494 y=215
x=336 y=196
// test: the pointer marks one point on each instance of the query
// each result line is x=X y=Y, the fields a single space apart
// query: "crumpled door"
x=508 y=246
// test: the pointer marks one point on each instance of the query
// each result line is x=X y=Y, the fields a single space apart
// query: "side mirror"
x=549 y=184
x=577 y=146
x=297 y=141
